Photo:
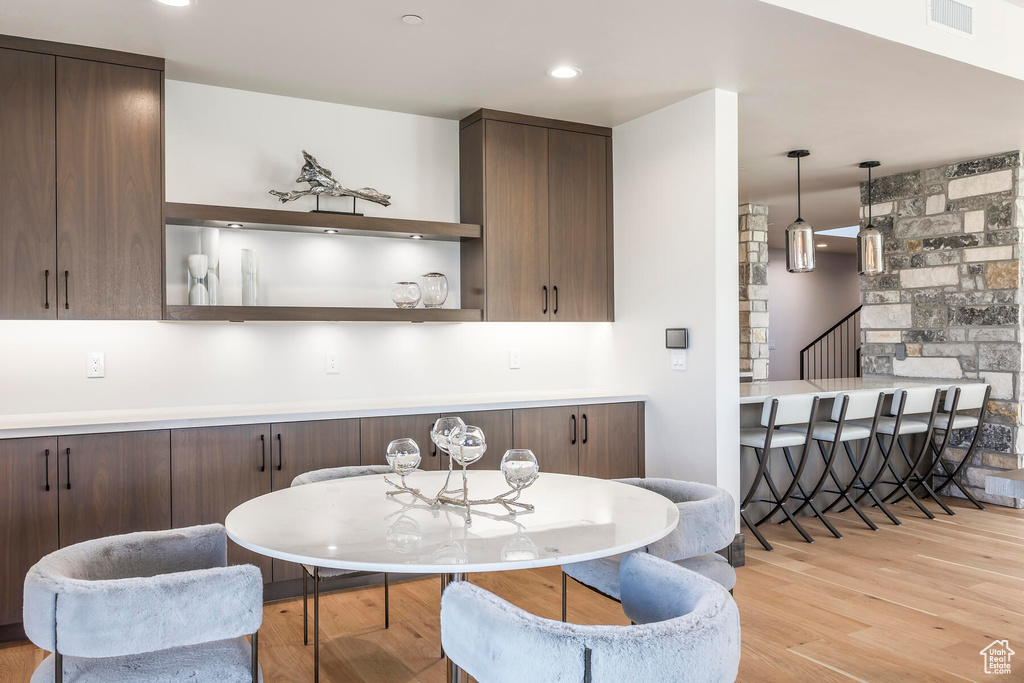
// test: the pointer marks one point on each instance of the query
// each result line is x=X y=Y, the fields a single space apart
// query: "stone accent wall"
x=754 y=291
x=949 y=302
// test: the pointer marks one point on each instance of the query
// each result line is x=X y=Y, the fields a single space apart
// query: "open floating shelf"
x=210 y=216
x=321 y=314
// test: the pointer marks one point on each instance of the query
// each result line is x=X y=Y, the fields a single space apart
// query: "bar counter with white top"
x=756 y=392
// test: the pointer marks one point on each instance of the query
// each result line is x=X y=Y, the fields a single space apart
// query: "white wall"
x=803 y=305
x=229 y=147
x=676 y=256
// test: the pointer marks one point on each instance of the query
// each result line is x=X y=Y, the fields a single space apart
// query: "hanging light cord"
x=869 y=198
x=799 y=209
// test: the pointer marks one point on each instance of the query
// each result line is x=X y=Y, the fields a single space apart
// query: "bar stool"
x=958 y=398
x=912 y=411
x=843 y=429
x=777 y=412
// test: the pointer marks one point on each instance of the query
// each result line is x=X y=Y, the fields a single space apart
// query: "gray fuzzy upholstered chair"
x=151 y=607
x=707 y=523
x=318 y=574
x=688 y=630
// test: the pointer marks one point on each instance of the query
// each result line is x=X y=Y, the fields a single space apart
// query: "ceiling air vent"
x=953 y=16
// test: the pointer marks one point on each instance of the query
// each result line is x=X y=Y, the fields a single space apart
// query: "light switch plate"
x=95 y=365
x=678 y=359
x=333 y=363
x=513 y=359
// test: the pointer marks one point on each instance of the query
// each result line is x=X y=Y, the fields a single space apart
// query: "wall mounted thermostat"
x=678 y=338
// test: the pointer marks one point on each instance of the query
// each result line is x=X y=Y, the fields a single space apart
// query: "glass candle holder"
x=434 y=287
x=403 y=455
x=405 y=294
x=520 y=467
x=442 y=431
x=466 y=444
x=198 y=270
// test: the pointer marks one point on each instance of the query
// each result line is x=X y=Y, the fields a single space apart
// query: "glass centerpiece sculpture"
x=464 y=444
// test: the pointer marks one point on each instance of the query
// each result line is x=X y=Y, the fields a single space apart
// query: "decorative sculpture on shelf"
x=321 y=182
x=464 y=444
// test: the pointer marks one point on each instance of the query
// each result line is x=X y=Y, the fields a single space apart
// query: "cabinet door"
x=113 y=484
x=553 y=436
x=109 y=191
x=28 y=514
x=299 y=447
x=377 y=432
x=497 y=426
x=28 y=219
x=578 y=226
x=609 y=441
x=516 y=225
x=216 y=469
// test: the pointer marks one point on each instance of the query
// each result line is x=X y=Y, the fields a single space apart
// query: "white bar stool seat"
x=754 y=437
x=826 y=431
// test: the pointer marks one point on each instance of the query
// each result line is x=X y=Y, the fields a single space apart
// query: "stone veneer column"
x=949 y=302
x=754 y=291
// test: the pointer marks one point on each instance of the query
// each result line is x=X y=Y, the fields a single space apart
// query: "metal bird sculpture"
x=321 y=182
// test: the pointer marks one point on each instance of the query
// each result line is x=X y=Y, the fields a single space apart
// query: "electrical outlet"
x=95 y=366
x=513 y=359
x=333 y=363
x=678 y=359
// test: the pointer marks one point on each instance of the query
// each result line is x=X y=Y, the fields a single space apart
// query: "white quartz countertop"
x=756 y=392
x=139 y=419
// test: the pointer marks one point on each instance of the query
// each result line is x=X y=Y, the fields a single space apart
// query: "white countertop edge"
x=882 y=385
x=97 y=422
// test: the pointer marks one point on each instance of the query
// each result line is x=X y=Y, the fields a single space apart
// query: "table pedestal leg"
x=455 y=674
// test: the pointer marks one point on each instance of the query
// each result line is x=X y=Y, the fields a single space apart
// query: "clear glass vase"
x=434 y=287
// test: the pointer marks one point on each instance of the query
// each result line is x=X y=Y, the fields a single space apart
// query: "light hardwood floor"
x=911 y=603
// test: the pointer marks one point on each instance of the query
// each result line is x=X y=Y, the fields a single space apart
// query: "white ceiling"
x=803 y=83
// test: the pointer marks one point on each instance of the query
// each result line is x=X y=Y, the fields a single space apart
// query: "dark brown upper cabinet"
x=28 y=219
x=81 y=183
x=109 y=191
x=542 y=191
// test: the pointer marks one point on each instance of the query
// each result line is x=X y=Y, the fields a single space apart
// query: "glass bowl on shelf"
x=520 y=467
x=434 y=287
x=405 y=294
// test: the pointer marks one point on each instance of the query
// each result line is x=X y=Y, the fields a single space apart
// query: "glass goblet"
x=403 y=455
x=520 y=467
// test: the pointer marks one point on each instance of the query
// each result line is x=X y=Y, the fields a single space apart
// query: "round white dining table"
x=353 y=524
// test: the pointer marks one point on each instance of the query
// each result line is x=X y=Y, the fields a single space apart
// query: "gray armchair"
x=707 y=523
x=151 y=607
x=688 y=630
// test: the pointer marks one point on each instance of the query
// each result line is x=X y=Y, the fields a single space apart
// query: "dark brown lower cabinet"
x=497 y=426
x=609 y=444
x=28 y=515
x=215 y=469
x=603 y=440
x=113 y=484
x=378 y=432
x=299 y=447
x=553 y=436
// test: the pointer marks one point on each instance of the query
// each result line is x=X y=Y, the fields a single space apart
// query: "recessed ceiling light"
x=331 y=231
x=234 y=225
x=412 y=19
x=175 y=3
x=416 y=237
x=564 y=72
x=822 y=244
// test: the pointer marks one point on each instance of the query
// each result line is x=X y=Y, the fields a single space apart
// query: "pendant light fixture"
x=799 y=234
x=869 y=239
